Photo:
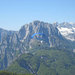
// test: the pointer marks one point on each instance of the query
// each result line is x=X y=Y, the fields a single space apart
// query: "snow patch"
x=67 y=32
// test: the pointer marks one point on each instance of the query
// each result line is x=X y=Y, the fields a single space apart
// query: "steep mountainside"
x=9 y=47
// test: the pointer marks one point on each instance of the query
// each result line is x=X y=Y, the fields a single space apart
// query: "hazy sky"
x=15 y=13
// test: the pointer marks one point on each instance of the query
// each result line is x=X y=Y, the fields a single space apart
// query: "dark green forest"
x=11 y=73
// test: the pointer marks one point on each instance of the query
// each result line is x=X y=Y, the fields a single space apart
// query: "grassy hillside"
x=45 y=62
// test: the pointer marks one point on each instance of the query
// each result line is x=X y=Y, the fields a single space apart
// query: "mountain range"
x=53 y=51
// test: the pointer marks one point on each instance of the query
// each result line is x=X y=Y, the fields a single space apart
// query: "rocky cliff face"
x=51 y=34
x=15 y=43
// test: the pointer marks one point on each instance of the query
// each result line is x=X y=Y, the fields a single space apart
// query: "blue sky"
x=15 y=13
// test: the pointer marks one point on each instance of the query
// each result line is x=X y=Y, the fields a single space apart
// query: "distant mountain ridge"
x=15 y=43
